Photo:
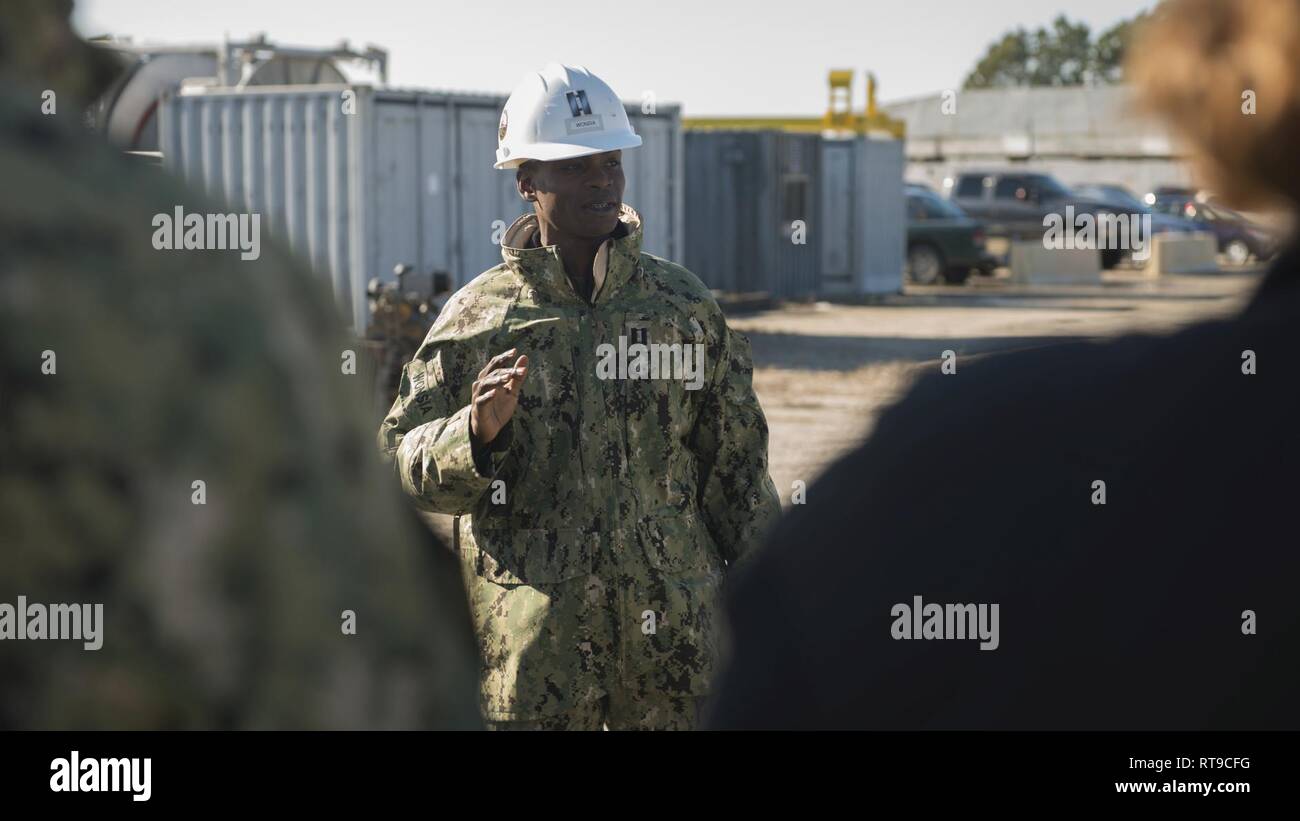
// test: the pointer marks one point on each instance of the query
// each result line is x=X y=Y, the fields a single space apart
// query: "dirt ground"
x=824 y=372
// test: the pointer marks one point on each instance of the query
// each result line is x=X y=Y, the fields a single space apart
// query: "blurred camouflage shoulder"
x=40 y=50
x=176 y=367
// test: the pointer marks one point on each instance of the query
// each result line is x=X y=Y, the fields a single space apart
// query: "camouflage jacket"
x=653 y=484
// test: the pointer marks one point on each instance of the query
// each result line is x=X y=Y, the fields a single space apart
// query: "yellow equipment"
x=839 y=119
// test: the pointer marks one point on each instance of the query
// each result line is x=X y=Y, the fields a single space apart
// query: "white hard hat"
x=559 y=113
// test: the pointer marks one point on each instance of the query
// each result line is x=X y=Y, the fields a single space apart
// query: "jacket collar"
x=616 y=263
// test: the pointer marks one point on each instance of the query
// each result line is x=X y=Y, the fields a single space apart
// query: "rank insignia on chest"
x=638 y=333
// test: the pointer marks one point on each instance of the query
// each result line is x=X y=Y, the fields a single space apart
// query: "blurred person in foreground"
x=126 y=375
x=1170 y=606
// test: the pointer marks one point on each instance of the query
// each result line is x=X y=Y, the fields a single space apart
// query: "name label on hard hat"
x=575 y=125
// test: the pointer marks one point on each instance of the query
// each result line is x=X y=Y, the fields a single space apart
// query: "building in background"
x=1080 y=134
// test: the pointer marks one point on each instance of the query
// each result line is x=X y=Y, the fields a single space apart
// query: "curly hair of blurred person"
x=1194 y=62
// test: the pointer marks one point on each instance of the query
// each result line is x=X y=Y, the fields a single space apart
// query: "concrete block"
x=1033 y=264
x=1183 y=254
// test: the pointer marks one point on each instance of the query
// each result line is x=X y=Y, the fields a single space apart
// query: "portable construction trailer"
x=750 y=205
x=794 y=215
x=358 y=180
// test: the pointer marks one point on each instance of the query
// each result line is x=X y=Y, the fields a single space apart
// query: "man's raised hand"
x=496 y=392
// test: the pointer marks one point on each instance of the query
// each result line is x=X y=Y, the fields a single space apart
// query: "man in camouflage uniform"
x=594 y=516
x=165 y=368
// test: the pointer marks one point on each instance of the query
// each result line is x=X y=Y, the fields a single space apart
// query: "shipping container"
x=794 y=215
x=880 y=216
x=751 y=211
x=358 y=180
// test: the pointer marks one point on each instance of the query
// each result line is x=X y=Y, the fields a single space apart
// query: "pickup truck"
x=1012 y=204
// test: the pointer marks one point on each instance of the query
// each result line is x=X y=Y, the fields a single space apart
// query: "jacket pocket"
x=529 y=601
x=670 y=609
x=509 y=556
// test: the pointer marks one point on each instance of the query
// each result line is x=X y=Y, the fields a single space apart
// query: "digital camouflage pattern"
x=171 y=367
x=595 y=543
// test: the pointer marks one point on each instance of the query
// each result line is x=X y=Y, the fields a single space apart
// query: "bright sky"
x=713 y=56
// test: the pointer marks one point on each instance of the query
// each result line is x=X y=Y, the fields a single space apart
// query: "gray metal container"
x=750 y=192
x=880 y=217
x=405 y=177
x=745 y=192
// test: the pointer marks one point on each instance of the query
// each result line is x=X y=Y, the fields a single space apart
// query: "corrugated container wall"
x=359 y=180
x=794 y=215
x=747 y=194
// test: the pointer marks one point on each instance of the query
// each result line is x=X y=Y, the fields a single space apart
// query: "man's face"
x=580 y=197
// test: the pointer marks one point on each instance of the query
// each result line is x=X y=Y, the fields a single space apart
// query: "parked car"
x=1014 y=203
x=1125 y=200
x=1239 y=239
x=1173 y=191
x=942 y=241
x=1108 y=192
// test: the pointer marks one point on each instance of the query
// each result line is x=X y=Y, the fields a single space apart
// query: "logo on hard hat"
x=501 y=130
x=578 y=103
